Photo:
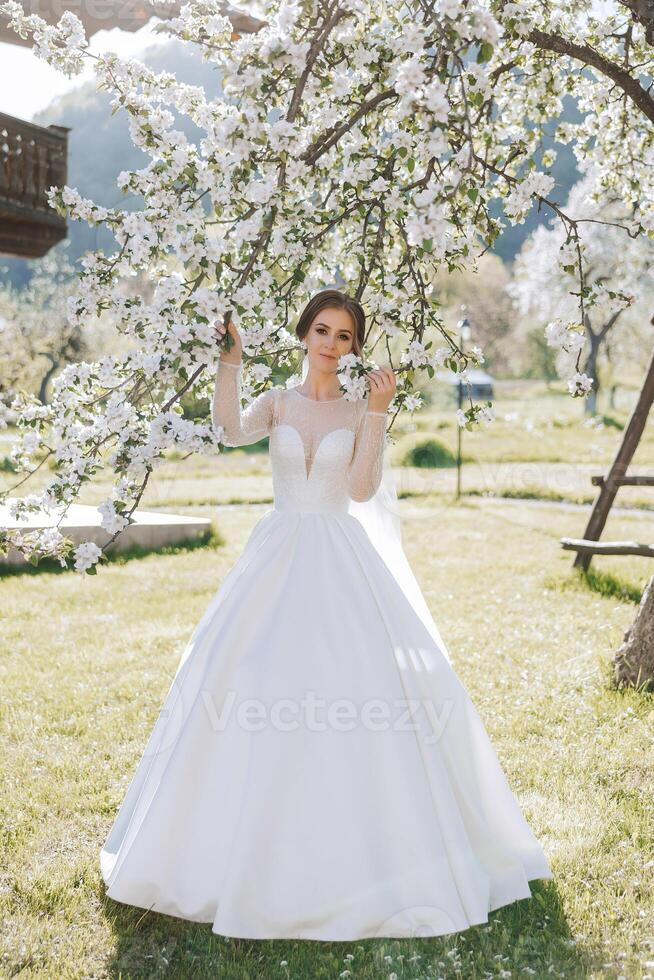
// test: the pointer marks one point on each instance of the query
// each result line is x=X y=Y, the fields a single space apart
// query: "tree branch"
x=588 y=56
x=642 y=12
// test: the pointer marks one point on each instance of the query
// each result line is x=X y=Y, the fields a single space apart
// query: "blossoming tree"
x=367 y=139
x=617 y=275
x=36 y=336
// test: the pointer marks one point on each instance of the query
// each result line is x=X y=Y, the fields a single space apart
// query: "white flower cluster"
x=62 y=46
x=429 y=227
x=579 y=384
x=569 y=337
x=517 y=203
x=484 y=414
x=569 y=253
x=522 y=12
x=70 y=201
x=111 y=521
x=86 y=555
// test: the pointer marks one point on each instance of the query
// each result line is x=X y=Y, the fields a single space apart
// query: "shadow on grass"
x=548 y=496
x=607 y=584
x=208 y=539
x=551 y=497
x=528 y=938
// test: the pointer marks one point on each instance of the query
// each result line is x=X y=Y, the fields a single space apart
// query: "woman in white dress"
x=318 y=770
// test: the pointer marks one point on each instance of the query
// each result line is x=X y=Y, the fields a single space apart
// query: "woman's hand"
x=234 y=353
x=383 y=386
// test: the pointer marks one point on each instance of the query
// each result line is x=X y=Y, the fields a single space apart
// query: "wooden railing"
x=32 y=159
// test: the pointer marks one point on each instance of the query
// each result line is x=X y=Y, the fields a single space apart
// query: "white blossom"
x=86 y=555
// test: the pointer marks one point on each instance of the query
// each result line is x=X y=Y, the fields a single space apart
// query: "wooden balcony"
x=32 y=159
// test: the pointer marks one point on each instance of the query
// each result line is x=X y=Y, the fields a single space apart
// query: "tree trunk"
x=634 y=661
x=590 y=368
x=614 y=389
x=43 y=388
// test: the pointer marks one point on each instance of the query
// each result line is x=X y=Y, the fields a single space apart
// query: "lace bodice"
x=323 y=453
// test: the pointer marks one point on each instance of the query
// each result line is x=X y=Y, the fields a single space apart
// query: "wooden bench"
x=589 y=547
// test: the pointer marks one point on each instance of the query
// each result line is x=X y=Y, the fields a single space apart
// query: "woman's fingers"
x=220 y=329
x=382 y=379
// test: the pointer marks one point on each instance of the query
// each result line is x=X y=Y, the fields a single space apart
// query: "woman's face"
x=330 y=335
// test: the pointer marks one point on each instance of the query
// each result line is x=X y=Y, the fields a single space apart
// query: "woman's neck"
x=319 y=387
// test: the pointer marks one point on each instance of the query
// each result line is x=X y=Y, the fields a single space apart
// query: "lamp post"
x=463 y=327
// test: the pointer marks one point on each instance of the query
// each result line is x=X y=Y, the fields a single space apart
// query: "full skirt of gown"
x=318 y=770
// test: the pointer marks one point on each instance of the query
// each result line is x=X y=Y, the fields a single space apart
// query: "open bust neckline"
x=317 y=401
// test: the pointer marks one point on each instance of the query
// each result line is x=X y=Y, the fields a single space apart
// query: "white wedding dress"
x=317 y=770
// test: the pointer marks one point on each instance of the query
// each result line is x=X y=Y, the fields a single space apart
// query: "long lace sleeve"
x=241 y=427
x=367 y=461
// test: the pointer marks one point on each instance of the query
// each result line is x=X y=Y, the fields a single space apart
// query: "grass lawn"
x=86 y=662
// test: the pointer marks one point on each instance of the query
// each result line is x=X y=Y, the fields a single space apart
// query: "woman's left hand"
x=382 y=389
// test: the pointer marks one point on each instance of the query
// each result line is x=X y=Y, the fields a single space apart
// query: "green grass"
x=604 y=583
x=87 y=661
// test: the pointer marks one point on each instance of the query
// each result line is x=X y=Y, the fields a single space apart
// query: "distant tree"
x=617 y=277
x=492 y=315
x=539 y=360
x=36 y=337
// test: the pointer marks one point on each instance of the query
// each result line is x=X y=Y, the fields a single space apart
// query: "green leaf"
x=485 y=52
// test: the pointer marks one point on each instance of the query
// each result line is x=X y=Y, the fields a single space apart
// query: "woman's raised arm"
x=241 y=426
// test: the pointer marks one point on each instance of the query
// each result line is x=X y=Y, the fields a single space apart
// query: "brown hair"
x=334 y=298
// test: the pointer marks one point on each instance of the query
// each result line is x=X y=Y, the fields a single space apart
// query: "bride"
x=318 y=770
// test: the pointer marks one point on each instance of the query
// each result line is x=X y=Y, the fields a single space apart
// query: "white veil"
x=380 y=517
